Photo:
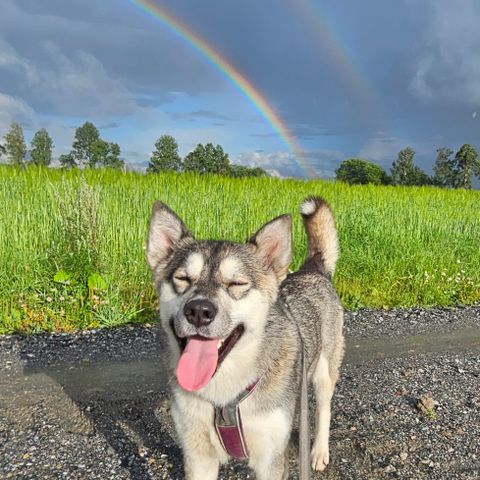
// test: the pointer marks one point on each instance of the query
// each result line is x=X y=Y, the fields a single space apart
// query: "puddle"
x=142 y=378
x=361 y=350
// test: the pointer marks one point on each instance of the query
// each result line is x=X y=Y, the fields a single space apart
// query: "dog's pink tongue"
x=197 y=363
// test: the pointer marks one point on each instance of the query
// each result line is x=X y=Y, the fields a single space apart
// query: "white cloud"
x=320 y=163
x=13 y=109
x=448 y=67
x=276 y=163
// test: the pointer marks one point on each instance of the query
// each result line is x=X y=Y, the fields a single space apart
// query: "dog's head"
x=214 y=295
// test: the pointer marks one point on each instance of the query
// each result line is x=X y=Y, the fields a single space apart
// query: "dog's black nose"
x=200 y=312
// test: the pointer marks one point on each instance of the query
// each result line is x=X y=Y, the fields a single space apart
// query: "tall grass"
x=61 y=229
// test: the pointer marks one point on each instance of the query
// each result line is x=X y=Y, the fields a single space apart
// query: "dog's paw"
x=320 y=457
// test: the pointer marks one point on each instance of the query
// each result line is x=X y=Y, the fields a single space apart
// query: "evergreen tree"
x=165 y=156
x=465 y=164
x=85 y=137
x=41 y=148
x=15 y=144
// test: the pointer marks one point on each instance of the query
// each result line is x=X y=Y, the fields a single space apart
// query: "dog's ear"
x=273 y=244
x=165 y=233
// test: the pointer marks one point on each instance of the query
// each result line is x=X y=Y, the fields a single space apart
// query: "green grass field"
x=72 y=242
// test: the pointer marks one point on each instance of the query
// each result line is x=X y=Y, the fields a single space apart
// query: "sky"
x=345 y=79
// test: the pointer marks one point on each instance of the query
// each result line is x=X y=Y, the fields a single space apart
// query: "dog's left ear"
x=165 y=233
x=274 y=245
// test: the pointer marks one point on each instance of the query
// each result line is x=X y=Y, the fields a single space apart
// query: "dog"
x=228 y=337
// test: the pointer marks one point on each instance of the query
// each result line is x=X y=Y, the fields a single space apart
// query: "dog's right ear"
x=165 y=232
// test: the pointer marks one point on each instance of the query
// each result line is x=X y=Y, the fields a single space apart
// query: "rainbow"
x=310 y=13
x=230 y=73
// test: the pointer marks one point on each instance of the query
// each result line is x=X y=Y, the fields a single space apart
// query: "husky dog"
x=222 y=312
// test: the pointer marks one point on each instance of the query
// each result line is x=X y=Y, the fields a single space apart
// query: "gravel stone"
x=94 y=405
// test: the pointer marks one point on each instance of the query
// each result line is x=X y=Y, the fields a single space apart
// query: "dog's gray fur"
x=270 y=346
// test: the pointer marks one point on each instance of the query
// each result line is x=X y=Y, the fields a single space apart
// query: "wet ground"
x=93 y=405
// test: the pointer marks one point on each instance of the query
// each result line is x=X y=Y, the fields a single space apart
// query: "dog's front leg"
x=200 y=466
x=267 y=440
x=193 y=422
x=275 y=468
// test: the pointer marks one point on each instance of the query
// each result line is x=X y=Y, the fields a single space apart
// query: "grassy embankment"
x=72 y=243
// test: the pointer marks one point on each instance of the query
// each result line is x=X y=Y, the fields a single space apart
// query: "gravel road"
x=93 y=405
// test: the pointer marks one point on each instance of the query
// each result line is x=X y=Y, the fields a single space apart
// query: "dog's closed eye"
x=181 y=281
x=182 y=278
x=238 y=283
x=238 y=287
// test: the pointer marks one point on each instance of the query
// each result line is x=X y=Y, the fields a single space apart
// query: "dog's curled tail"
x=322 y=239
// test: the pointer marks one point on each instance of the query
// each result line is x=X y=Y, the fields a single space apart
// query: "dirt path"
x=93 y=405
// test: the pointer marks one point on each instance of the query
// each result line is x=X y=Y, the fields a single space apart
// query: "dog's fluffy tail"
x=321 y=234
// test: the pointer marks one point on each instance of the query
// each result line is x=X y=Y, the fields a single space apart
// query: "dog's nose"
x=200 y=312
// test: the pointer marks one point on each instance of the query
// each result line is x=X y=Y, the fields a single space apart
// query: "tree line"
x=91 y=151
x=202 y=159
x=449 y=171
x=88 y=149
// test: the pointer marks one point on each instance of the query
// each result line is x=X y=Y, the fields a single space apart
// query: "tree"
x=193 y=162
x=405 y=172
x=15 y=144
x=85 y=137
x=207 y=159
x=41 y=148
x=358 y=171
x=420 y=177
x=465 y=163
x=106 y=154
x=239 y=171
x=165 y=156
x=3 y=150
x=443 y=174
x=67 y=160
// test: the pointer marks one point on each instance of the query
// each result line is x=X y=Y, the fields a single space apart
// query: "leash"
x=228 y=420
x=304 y=427
x=304 y=431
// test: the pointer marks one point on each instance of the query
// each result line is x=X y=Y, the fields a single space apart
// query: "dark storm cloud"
x=392 y=74
x=61 y=52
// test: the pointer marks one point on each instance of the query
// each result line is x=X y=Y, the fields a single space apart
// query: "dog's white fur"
x=194 y=265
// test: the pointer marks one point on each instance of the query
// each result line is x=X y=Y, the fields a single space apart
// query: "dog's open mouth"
x=202 y=356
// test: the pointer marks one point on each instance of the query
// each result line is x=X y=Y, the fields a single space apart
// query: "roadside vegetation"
x=72 y=240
